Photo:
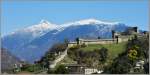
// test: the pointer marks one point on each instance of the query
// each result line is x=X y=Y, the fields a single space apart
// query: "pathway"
x=59 y=58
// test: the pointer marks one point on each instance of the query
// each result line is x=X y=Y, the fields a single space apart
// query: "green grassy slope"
x=113 y=49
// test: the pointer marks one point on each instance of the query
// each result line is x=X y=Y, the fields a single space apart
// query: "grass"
x=32 y=68
x=67 y=60
x=92 y=47
x=24 y=72
x=113 y=49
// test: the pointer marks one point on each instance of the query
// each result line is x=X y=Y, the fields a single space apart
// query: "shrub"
x=132 y=55
x=83 y=45
x=50 y=71
x=61 y=69
x=146 y=68
x=58 y=47
x=77 y=40
x=103 y=54
x=120 y=65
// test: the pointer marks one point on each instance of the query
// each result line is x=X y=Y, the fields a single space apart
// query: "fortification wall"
x=100 y=41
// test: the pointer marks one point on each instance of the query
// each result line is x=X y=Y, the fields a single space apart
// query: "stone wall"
x=99 y=41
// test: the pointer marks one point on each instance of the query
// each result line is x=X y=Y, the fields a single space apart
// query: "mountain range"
x=31 y=43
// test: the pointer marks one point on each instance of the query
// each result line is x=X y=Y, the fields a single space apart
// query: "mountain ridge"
x=30 y=48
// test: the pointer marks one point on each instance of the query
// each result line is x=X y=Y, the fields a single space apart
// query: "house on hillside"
x=90 y=70
x=139 y=66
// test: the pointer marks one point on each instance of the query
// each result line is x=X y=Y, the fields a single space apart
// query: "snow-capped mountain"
x=37 y=30
x=23 y=36
x=32 y=42
x=40 y=29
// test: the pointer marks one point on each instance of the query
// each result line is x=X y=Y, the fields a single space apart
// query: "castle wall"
x=99 y=41
x=71 y=44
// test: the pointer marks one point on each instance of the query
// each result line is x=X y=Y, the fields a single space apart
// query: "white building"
x=139 y=64
x=90 y=70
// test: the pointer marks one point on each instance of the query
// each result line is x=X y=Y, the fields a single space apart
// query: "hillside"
x=114 y=58
x=113 y=51
x=107 y=58
x=7 y=61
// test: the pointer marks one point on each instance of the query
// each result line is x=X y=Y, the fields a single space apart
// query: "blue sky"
x=20 y=14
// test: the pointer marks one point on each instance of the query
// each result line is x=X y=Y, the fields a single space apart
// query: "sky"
x=20 y=14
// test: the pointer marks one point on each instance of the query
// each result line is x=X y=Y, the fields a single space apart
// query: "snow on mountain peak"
x=37 y=29
x=89 y=21
x=46 y=24
x=41 y=28
x=94 y=21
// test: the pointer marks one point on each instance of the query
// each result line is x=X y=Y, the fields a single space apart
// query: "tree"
x=132 y=54
x=120 y=65
x=61 y=69
x=58 y=47
x=98 y=37
x=66 y=41
x=141 y=44
x=51 y=71
x=125 y=61
x=103 y=54
x=146 y=67
x=77 y=40
x=135 y=36
x=113 y=33
x=117 y=39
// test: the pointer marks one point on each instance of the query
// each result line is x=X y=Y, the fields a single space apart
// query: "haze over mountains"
x=32 y=42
